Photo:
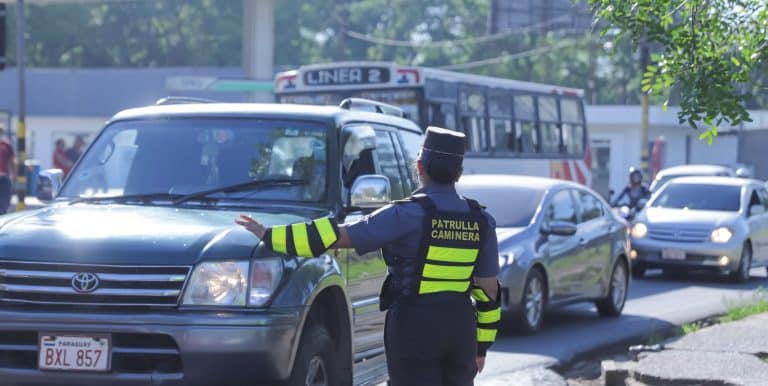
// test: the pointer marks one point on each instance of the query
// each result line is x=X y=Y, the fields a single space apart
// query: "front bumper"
x=512 y=279
x=700 y=256
x=158 y=348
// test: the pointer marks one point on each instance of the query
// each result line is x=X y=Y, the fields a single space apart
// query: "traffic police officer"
x=441 y=251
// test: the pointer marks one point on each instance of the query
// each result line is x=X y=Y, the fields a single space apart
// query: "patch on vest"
x=455 y=230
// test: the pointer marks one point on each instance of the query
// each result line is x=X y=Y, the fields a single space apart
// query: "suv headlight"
x=233 y=283
x=721 y=235
x=639 y=230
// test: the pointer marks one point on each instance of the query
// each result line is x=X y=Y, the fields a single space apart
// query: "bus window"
x=502 y=136
x=570 y=111
x=548 y=124
x=474 y=129
x=524 y=107
x=442 y=115
x=526 y=140
x=573 y=138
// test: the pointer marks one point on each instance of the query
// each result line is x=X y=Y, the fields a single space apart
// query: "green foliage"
x=136 y=33
x=711 y=52
x=741 y=312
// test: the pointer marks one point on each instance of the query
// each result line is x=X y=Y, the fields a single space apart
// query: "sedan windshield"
x=699 y=197
x=186 y=156
x=510 y=207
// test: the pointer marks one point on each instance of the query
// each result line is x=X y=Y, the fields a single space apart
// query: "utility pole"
x=644 y=159
x=21 y=127
x=259 y=43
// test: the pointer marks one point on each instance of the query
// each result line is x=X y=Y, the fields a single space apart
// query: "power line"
x=449 y=43
x=505 y=58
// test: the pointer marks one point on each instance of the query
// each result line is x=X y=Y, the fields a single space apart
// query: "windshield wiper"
x=248 y=185
x=128 y=197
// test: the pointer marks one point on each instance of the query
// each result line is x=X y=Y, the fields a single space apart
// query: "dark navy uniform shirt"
x=399 y=227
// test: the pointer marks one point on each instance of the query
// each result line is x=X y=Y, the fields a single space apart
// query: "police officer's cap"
x=444 y=141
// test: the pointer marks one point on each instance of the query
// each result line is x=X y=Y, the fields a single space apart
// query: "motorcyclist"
x=635 y=191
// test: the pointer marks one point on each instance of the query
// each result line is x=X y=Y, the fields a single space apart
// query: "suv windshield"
x=186 y=156
x=699 y=197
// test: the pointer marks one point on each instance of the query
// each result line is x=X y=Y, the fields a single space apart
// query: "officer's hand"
x=251 y=225
x=480 y=361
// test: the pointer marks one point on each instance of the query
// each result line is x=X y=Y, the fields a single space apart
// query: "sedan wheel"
x=612 y=305
x=531 y=313
x=745 y=263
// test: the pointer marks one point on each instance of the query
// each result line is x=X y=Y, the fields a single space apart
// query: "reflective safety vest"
x=450 y=245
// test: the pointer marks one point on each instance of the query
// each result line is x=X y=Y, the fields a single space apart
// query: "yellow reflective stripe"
x=278 y=239
x=492 y=316
x=301 y=240
x=452 y=255
x=325 y=229
x=429 y=287
x=447 y=272
x=486 y=335
x=479 y=295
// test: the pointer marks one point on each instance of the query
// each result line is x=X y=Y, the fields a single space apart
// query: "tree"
x=713 y=53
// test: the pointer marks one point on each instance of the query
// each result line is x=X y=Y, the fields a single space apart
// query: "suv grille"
x=23 y=282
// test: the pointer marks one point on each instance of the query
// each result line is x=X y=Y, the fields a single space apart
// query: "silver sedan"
x=718 y=224
x=559 y=243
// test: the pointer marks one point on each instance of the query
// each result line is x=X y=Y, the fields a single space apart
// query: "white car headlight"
x=639 y=230
x=721 y=235
x=218 y=283
x=233 y=283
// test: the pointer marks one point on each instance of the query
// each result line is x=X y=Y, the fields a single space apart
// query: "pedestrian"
x=440 y=249
x=77 y=149
x=7 y=172
x=60 y=158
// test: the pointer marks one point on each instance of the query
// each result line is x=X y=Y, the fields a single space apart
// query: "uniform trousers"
x=431 y=341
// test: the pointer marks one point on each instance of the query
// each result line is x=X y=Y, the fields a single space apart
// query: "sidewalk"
x=734 y=353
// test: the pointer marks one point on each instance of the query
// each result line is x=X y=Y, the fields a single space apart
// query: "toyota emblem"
x=85 y=282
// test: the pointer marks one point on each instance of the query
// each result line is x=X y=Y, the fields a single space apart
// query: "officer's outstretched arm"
x=486 y=292
x=301 y=239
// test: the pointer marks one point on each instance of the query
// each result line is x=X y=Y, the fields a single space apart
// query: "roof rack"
x=361 y=104
x=176 y=100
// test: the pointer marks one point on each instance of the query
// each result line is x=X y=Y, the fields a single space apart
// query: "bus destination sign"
x=341 y=76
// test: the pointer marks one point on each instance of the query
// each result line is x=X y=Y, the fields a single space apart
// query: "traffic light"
x=2 y=35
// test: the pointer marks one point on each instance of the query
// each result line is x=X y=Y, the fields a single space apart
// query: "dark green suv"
x=135 y=273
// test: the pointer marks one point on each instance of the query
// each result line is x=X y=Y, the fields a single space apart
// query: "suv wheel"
x=612 y=305
x=745 y=263
x=316 y=364
x=531 y=314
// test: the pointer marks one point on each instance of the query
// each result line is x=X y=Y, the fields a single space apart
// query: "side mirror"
x=48 y=184
x=625 y=212
x=756 y=209
x=370 y=192
x=743 y=173
x=559 y=228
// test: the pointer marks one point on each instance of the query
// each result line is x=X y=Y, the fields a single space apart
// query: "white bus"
x=512 y=127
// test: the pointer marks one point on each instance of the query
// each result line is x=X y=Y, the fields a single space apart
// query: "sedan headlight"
x=639 y=230
x=233 y=283
x=721 y=235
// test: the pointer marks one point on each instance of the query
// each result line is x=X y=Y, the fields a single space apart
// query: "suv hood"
x=129 y=234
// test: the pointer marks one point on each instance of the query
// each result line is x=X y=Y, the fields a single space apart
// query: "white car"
x=718 y=224
x=667 y=174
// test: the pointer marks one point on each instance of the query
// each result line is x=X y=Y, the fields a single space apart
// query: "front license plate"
x=74 y=353
x=673 y=254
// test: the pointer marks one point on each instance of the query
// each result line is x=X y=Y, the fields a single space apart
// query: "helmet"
x=635 y=175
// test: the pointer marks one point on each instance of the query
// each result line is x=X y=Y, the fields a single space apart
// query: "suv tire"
x=316 y=363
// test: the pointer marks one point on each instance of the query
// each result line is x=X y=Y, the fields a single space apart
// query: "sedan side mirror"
x=370 y=192
x=559 y=228
x=756 y=209
x=48 y=184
